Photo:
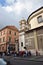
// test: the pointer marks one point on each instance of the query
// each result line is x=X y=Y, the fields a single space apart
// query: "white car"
x=2 y=62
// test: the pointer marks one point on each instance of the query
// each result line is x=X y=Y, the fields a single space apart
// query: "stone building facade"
x=22 y=34
x=33 y=34
x=34 y=40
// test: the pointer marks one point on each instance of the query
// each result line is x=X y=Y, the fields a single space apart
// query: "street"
x=25 y=61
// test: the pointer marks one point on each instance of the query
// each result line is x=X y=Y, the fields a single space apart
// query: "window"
x=1 y=33
x=9 y=39
x=3 y=39
x=15 y=33
x=2 y=48
x=21 y=43
x=39 y=18
x=9 y=32
x=14 y=40
x=4 y=32
x=0 y=40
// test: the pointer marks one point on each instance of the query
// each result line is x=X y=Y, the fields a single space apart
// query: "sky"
x=12 y=11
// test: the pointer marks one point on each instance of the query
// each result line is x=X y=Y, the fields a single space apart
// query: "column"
x=35 y=39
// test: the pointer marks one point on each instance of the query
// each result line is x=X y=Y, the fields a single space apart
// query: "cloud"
x=7 y=8
x=18 y=7
x=15 y=10
x=10 y=1
x=21 y=5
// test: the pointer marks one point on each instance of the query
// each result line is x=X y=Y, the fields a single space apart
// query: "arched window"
x=40 y=19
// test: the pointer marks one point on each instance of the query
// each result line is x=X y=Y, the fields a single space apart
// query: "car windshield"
x=2 y=62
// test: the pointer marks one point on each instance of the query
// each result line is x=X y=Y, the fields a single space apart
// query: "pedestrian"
x=29 y=53
x=26 y=52
x=36 y=53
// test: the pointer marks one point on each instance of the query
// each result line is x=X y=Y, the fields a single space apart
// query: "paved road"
x=25 y=61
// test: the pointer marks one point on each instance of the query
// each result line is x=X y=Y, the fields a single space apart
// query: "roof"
x=34 y=12
x=41 y=27
x=10 y=27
